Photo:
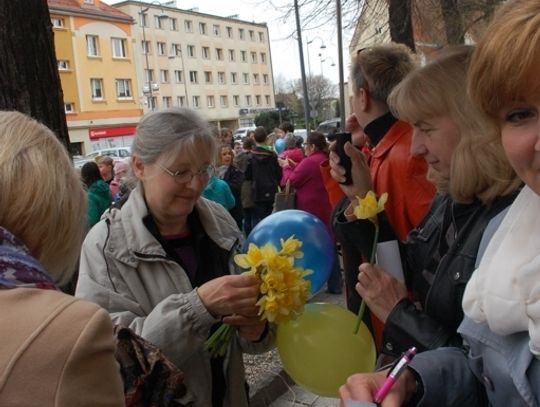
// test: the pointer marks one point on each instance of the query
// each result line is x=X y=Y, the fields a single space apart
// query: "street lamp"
x=142 y=13
x=323 y=60
x=323 y=46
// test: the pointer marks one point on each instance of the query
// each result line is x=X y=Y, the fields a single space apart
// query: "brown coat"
x=56 y=350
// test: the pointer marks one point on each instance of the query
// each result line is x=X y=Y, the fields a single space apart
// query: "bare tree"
x=29 y=80
x=321 y=94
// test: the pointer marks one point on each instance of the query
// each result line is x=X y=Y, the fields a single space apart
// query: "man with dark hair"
x=264 y=172
x=286 y=127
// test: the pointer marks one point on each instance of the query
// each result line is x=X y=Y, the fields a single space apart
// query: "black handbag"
x=285 y=199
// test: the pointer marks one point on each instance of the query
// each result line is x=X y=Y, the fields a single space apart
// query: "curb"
x=273 y=387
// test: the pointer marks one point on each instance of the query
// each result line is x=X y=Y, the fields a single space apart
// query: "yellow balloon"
x=319 y=349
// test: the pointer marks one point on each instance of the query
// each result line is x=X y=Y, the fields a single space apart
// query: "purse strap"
x=287 y=188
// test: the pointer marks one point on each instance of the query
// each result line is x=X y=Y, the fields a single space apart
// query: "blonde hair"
x=380 y=68
x=42 y=201
x=505 y=65
x=479 y=168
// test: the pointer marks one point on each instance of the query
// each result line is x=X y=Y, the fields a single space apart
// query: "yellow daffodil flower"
x=369 y=206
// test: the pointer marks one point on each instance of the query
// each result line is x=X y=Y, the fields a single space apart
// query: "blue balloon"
x=279 y=145
x=318 y=246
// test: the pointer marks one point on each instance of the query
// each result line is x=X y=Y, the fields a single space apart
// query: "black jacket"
x=265 y=173
x=438 y=263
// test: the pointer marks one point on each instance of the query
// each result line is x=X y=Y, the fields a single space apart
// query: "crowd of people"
x=151 y=240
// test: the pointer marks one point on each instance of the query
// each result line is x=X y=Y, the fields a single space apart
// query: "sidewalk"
x=270 y=384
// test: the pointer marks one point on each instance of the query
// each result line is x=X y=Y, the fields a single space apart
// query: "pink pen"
x=393 y=375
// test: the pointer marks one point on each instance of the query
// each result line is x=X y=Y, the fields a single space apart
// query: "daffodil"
x=283 y=289
x=368 y=208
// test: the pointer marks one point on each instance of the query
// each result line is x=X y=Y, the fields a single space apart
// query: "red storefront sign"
x=111 y=132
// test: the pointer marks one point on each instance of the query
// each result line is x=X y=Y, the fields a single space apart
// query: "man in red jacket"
x=375 y=72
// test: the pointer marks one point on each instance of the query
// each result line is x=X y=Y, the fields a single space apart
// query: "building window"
x=261 y=36
x=229 y=32
x=248 y=100
x=245 y=76
x=173 y=24
x=236 y=100
x=193 y=76
x=166 y=101
x=176 y=50
x=123 y=88
x=243 y=56
x=216 y=30
x=232 y=55
x=202 y=28
x=148 y=75
x=88 y=1
x=263 y=57
x=223 y=101
x=219 y=54
x=196 y=102
x=118 y=47
x=57 y=22
x=164 y=76
x=221 y=78
x=255 y=78
x=158 y=22
x=180 y=101
x=153 y=102
x=188 y=26
x=161 y=48
x=241 y=33
x=234 y=78
x=145 y=45
x=92 y=45
x=205 y=52
x=63 y=65
x=210 y=102
x=191 y=51
x=178 y=76
x=96 y=86
x=251 y=35
x=265 y=78
x=253 y=57
x=69 y=107
x=207 y=77
x=258 y=100
x=143 y=20
x=267 y=99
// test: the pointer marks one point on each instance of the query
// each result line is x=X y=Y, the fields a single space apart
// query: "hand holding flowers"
x=282 y=288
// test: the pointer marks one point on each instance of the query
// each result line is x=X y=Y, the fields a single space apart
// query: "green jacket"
x=99 y=199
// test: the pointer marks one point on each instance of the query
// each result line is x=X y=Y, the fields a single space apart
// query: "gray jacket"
x=499 y=367
x=125 y=269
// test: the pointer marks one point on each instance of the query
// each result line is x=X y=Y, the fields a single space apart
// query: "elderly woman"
x=475 y=183
x=162 y=264
x=500 y=328
x=56 y=350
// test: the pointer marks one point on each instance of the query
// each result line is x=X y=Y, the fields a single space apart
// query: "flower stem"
x=372 y=260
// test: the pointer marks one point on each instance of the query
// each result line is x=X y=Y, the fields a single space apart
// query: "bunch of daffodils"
x=283 y=290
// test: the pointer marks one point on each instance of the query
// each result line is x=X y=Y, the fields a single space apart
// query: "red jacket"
x=395 y=171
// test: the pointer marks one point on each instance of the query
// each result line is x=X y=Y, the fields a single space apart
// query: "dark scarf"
x=18 y=268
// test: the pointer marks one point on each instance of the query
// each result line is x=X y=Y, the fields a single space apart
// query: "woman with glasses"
x=162 y=265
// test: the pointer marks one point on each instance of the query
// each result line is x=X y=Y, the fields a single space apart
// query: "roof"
x=96 y=10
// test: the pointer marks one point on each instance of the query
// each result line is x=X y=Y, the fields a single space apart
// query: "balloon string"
x=372 y=260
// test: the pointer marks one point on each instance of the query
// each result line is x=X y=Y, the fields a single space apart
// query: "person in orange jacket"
x=375 y=72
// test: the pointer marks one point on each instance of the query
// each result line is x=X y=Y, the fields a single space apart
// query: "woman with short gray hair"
x=162 y=265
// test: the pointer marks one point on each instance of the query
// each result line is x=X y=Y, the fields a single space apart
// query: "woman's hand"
x=232 y=294
x=360 y=173
x=249 y=327
x=380 y=290
x=283 y=162
x=362 y=387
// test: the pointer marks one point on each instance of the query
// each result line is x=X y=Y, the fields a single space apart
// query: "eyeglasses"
x=183 y=177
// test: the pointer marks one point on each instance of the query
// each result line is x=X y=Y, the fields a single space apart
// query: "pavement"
x=272 y=386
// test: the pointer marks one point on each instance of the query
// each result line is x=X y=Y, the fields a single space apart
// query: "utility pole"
x=302 y=67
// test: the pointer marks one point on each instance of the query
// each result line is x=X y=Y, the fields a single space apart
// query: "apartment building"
x=96 y=63
x=220 y=66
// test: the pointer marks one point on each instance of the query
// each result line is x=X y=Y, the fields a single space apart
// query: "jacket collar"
x=398 y=130
x=377 y=129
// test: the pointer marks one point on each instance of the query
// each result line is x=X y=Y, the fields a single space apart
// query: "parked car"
x=242 y=132
x=121 y=152
x=330 y=127
x=302 y=133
